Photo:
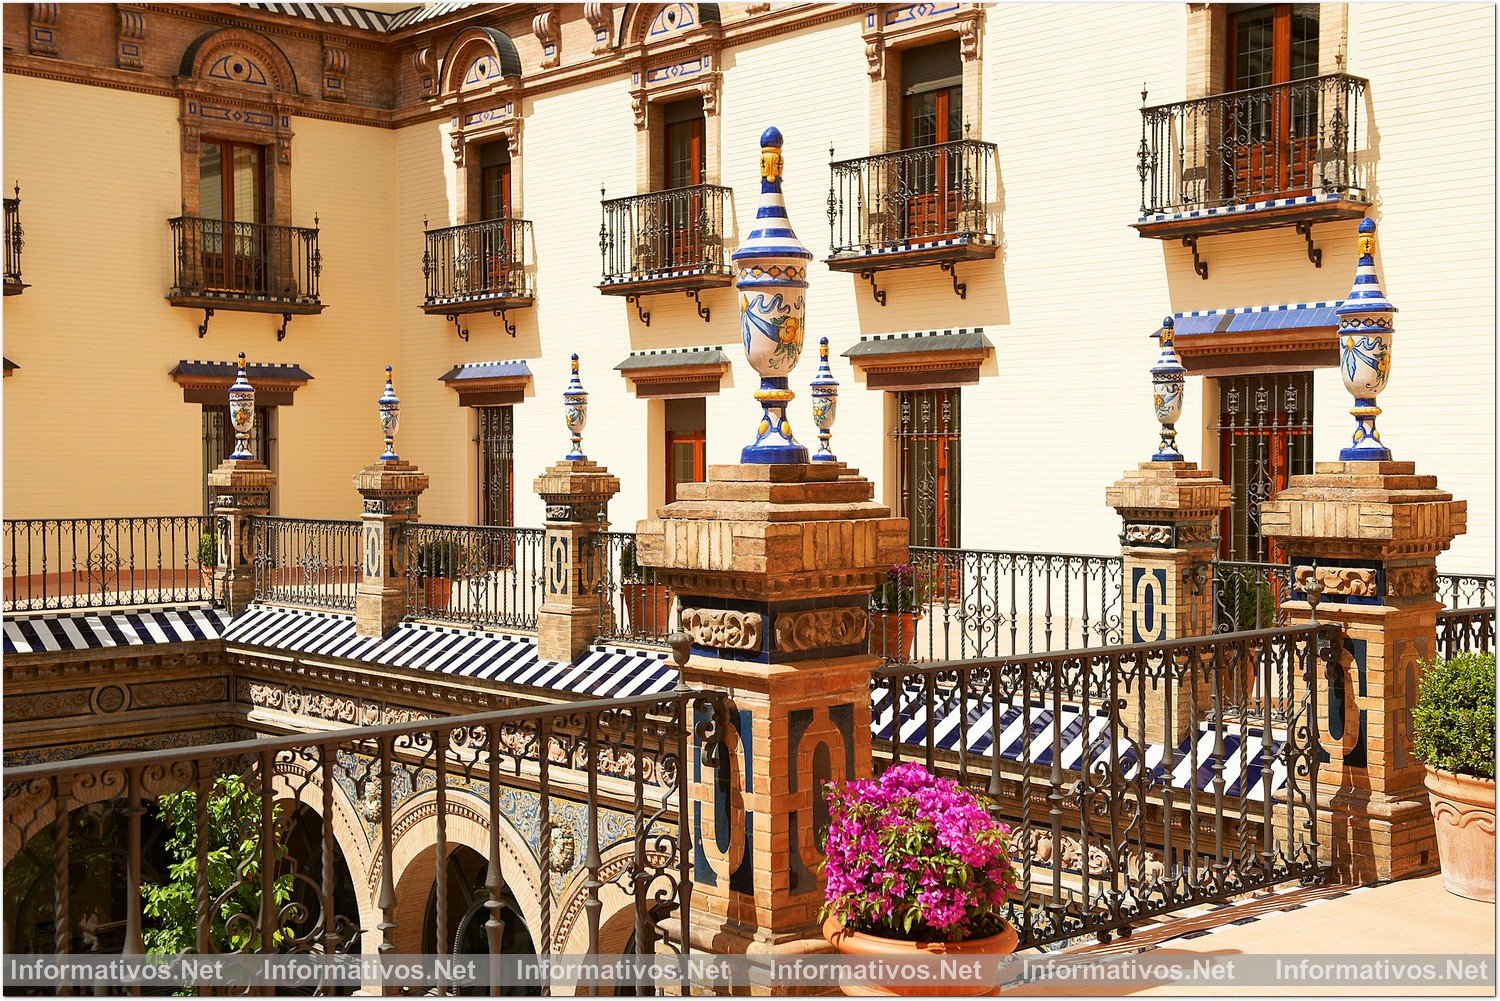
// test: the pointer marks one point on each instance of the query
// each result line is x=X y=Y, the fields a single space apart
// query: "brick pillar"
x=1170 y=511
x=242 y=490
x=390 y=488
x=773 y=565
x=577 y=493
x=1369 y=533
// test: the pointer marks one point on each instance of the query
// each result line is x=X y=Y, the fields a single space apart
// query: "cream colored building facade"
x=379 y=127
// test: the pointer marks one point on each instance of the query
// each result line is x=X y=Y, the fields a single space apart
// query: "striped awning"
x=113 y=628
x=467 y=653
x=1244 y=746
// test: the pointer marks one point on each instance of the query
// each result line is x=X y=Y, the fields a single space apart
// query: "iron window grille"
x=1265 y=438
x=218 y=443
x=496 y=440
x=928 y=450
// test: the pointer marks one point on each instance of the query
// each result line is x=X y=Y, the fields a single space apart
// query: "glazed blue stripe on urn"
x=575 y=413
x=390 y=417
x=771 y=276
x=1367 y=327
x=242 y=412
x=1167 y=379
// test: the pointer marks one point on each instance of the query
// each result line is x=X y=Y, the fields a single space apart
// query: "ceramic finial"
x=390 y=417
x=242 y=411
x=1167 y=378
x=575 y=413
x=1367 y=326
x=825 y=394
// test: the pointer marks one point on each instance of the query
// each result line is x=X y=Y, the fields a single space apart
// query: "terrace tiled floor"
x=1413 y=916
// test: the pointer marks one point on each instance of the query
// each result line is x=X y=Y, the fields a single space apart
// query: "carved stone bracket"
x=129 y=33
x=43 y=37
x=820 y=628
x=723 y=629
x=335 y=66
x=1405 y=582
x=545 y=27
x=598 y=16
x=1353 y=582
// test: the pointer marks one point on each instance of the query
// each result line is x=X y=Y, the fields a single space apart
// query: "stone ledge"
x=781 y=472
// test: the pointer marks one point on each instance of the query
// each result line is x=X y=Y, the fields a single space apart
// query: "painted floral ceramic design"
x=390 y=417
x=1367 y=326
x=575 y=412
x=1168 y=377
x=242 y=412
x=771 y=276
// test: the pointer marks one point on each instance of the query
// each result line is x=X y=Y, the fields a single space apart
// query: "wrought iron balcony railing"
x=56 y=563
x=245 y=265
x=14 y=240
x=930 y=194
x=481 y=263
x=1253 y=145
x=673 y=239
x=307 y=561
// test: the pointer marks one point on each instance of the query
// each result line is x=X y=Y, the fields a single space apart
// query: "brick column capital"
x=577 y=494
x=242 y=490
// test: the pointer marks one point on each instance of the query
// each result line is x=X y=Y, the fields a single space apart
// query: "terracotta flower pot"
x=1464 y=809
x=648 y=606
x=893 y=635
x=854 y=943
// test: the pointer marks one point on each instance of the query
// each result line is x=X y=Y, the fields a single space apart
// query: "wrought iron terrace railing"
x=481 y=260
x=963 y=603
x=245 y=262
x=634 y=606
x=476 y=574
x=1253 y=145
x=911 y=196
x=14 y=241
x=1465 y=630
x=664 y=234
x=604 y=784
x=306 y=561
x=1138 y=779
x=54 y=563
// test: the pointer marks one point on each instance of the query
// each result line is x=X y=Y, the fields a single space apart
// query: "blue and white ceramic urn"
x=242 y=412
x=575 y=413
x=1367 y=325
x=1167 y=379
x=390 y=418
x=825 y=394
x=771 y=276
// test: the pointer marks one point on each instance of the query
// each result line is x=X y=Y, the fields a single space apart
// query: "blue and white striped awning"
x=467 y=653
x=1243 y=773
x=67 y=631
x=1256 y=319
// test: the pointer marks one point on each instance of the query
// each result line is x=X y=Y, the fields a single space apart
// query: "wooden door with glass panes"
x=235 y=253
x=1273 y=129
x=686 y=442
x=684 y=164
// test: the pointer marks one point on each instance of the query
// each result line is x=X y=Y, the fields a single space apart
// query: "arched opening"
x=99 y=889
x=466 y=915
x=97 y=854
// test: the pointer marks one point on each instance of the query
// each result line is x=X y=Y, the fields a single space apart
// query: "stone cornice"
x=620 y=61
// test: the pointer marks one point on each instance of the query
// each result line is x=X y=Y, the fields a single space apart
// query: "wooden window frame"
x=699 y=441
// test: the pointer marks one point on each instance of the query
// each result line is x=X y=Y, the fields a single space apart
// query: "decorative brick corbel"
x=190 y=137
x=43 y=38
x=756 y=8
x=875 y=56
x=456 y=143
x=968 y=38
x=710 y=91
x=335 y=66
x=638 y=108
x=544 y=27
x=511 y=131
x=283 y=148
x=421 y=66
x=129 y=33
x=598 y=16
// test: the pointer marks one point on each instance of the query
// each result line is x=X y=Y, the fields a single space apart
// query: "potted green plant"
x=435 y=564
x=208 y=559
x=1453 y=731
x=916 y=865
x=896 y=606
x=648 y=601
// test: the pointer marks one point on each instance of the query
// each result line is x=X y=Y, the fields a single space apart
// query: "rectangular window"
x=232 y=203
x=684 y=158
x=1274 y=130
x=1265 y=438
x=927 y=444
x=494 y=181
x=932 y=113
x=686 y=439
x=496 y=466
x=218 y=443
